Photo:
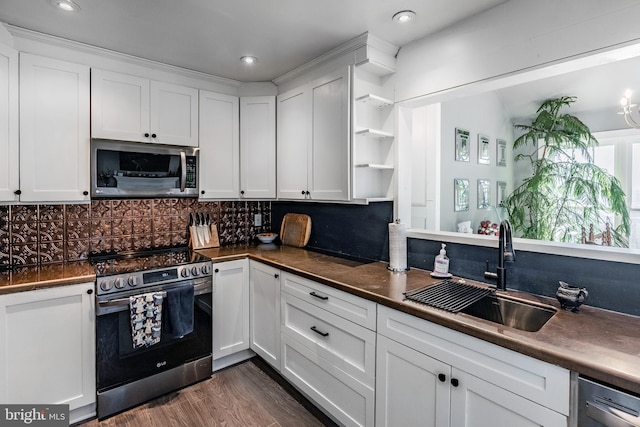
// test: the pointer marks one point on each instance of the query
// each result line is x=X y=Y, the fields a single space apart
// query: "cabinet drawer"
x=525 y=376
x=347 y=400
x=348 y=346
x=343 y=304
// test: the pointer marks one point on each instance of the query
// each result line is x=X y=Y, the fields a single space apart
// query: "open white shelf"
x=375 y=133
x=375 y=100
x=374 y=166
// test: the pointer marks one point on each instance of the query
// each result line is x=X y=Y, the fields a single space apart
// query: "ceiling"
x=211 y=35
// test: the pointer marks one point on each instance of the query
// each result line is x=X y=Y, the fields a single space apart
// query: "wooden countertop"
x=597 y=343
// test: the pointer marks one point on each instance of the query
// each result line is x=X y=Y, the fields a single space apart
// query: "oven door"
x=118 y=363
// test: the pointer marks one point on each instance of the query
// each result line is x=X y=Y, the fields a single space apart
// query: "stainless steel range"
x=170 y=290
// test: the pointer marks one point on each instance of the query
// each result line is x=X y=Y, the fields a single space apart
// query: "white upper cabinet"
x=131 y=108
x=293 y=143
x=9 y=172
x=258 y=147
x=54 y=130
x=314 y=155
x=219 y=146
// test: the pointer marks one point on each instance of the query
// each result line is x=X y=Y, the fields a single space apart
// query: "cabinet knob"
x=89 y=291
x=303 y=192
x=455 y=382
x=202 y=192
x=85 y=193
x=146 y=135
x=442 y=377
x=153 y=135
x=308 y=193
x=276 y=275
x=216 y=271
x=242 y=192
x=17 y=192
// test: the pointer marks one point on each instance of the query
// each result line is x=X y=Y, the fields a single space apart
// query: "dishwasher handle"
x=606 y=416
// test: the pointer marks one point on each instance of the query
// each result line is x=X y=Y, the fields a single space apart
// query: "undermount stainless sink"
x=508 y=312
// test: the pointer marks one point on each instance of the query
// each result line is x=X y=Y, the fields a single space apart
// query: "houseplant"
x=563 y=193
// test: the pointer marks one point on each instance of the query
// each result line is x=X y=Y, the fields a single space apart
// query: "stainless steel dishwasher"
x=600 y=405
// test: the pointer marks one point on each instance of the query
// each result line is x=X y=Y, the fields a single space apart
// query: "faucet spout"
x=506 y=253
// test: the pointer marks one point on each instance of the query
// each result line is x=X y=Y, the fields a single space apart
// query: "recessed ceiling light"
x=66 y=5
x=249 y=60
x=404 y=16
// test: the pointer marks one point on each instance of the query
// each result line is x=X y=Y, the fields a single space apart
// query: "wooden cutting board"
x=295 y=230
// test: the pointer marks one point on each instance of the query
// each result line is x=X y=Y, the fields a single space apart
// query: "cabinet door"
x=9 y=172
x=119 y=106
x=478 y=403
x=329 y=177
x=54 y=130
x=219 y=146
x=258 y=147
x=293 y=144
x=174 y=114
x=265 y=312
x=47 y=346
x=230 y=307
x=412 y=389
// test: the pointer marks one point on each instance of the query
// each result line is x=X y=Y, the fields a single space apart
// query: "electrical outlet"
x=257 y=220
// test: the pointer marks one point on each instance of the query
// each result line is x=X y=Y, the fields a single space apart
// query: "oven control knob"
x=106 y=285
x=119 y=283
x=206 y=269
x=195 y=270
x=185 y=272
x=133 y=280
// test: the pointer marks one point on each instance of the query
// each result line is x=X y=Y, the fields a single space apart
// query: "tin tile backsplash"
x=49 y=234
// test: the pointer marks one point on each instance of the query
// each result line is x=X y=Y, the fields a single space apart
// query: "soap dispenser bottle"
x=441 y=264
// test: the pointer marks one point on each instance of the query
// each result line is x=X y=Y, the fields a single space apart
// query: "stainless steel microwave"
x=134 y=169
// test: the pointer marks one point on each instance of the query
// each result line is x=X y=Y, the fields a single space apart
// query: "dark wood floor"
x=247 y=394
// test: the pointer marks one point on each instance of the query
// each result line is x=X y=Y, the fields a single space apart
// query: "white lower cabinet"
x=429 y=375
x=47 y=348
x=327 y=351
x=230 y=309
x=264 y=299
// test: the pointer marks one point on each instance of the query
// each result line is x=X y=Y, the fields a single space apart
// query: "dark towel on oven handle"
x=178 y=317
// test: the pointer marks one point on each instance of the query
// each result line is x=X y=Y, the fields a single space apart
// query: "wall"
x=514 y=36
x=356 y=231
x=481 y=114
x=46 y=234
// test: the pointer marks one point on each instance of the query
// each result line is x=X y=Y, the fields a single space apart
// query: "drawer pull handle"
x=324 y=334
x=313 y=294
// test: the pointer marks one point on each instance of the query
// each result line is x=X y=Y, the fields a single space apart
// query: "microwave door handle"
x=183 y=167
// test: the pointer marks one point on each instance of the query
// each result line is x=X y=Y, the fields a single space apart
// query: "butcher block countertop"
x=597 y=343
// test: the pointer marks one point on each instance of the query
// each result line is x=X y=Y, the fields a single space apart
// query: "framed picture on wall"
x=501 y=152
x=462 y=145
x=484 y=194
x=460 y=195
x=501 y=193
x=484 y=157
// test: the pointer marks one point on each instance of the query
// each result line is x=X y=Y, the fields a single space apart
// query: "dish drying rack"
x=449 y=295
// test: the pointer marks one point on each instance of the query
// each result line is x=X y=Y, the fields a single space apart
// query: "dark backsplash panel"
x=48 y=234
x=358 y=231
x=611 y=285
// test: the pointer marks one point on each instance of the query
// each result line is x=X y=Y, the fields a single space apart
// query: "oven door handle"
x=124 y=301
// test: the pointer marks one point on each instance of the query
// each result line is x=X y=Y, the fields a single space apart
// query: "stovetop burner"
x=129 y=262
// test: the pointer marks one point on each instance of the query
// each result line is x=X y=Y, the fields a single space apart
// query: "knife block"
x=194 y=240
